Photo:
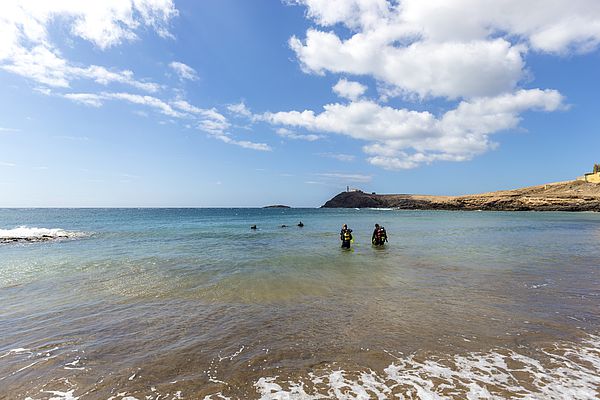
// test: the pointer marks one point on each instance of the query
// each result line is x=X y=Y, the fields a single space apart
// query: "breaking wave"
x=33 y=234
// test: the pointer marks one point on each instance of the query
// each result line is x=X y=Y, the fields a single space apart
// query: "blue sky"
x=238 y=103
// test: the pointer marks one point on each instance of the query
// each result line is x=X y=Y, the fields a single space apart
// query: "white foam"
x=218 y=396
x=33 y=233
x=231 y=357
x=20 y=350
x=564 y=372
x=62 y=395
x=74 y=365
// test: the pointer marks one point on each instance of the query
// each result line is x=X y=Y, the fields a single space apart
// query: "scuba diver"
x=345 y=236
x=379 y=236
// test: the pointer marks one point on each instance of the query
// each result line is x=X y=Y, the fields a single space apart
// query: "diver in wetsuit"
x=345 y=236
x=379 y=236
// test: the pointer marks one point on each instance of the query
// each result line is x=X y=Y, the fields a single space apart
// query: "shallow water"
x=190 y=303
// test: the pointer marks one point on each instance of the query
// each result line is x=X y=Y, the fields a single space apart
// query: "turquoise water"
x=192 y=303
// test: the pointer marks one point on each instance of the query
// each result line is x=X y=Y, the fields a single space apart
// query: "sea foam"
x=567 y=372
x=34 y=234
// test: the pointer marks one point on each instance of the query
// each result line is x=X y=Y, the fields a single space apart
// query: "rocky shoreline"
x=42 y=238
x=560 y=196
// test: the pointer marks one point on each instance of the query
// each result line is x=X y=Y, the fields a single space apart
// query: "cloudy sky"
x=248 y=103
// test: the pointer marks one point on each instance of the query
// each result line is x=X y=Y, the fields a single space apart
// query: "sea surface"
x=144 y=304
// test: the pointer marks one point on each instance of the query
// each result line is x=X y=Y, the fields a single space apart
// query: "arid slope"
x=560 y=196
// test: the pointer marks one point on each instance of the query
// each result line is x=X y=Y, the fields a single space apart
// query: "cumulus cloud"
x=401 y=138
x=456 y=50
x=26 y=47
x=105 y=24
x=348 y=89
x=184 y=71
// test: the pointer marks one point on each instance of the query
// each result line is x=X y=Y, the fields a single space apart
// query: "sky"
x=223 y=103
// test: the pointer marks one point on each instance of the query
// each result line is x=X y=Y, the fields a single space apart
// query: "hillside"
x=560 y=196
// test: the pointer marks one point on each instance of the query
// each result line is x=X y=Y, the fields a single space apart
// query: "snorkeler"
x=345 y=236
x=379 y=236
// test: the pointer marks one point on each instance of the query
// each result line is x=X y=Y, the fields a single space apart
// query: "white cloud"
x=7 y=164
x=240 y=109
x=399 y=138
x=149 y=101
x=106 y=24
x=209 y=113
x=26 y=47
x=243 y=143
x=457 y=49
x=349 y=90
x=184 y=71
x=288 y=134
x=89 y=99
x=339 y=157
x=208 y=120
x=96 y=100
x=103 y=76
x=45 y=66
x=452 y=70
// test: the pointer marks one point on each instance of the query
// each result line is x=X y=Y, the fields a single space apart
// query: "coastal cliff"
x=560 y=196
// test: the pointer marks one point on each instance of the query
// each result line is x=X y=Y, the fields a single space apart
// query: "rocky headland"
x=559 y=196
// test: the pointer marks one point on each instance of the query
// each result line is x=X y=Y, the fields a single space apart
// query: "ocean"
x=127 y=304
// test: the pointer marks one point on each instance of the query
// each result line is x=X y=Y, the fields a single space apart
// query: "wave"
x=563 y=372
x=34 y=234
x=556 y=372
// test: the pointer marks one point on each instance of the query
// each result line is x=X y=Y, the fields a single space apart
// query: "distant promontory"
x=577 y=195
x=277 y=206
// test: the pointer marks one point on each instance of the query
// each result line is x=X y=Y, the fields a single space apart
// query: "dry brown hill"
x=559 y=196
